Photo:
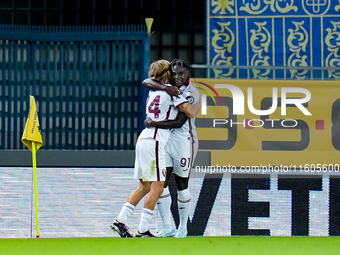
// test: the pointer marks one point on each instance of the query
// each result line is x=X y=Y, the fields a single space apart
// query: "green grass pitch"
x=190 y=245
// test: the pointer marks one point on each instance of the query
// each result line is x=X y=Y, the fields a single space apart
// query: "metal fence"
x=86 y=82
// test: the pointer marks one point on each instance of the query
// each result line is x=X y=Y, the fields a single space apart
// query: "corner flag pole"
x=33 y=140
x=34 y=153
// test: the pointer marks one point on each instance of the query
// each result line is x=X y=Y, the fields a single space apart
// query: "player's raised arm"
x=185 y=108
x=195 y=108
x=167 y=124
x=190 y=110
x=153 y=84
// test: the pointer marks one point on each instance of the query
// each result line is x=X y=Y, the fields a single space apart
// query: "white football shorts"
x=150 y=160
x=180 y=154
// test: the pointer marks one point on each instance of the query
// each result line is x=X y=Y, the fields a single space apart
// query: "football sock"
x=163 y=205
x=183 y=201
x=126 y=212
x=145 y=220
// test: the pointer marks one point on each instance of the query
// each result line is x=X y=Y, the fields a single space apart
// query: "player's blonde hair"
x=159 y=69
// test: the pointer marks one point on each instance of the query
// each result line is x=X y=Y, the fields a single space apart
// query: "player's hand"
x=172 y=91
x=147 y=122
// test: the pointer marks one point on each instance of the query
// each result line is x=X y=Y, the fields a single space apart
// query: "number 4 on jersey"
x=154 y=107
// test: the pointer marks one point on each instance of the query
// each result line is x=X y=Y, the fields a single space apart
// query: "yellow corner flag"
x=32 y=128
x=33 y=140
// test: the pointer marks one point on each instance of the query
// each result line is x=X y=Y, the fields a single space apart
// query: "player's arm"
x=153 y=84
x=185 y=107
x=167 y=124
x=195 y=108
x=190 y=110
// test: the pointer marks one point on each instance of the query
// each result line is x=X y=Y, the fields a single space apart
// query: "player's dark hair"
x=179 y=62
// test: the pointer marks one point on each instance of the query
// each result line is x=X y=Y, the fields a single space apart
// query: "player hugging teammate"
x=180 y=150
x=152 y=159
